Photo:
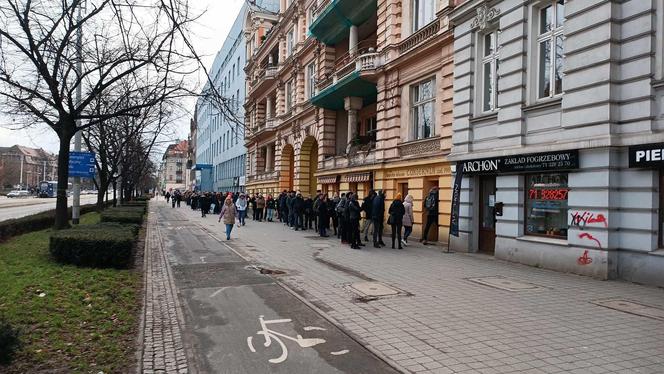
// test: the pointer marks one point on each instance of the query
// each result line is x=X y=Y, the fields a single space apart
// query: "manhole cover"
x=373 y=289
x=632 y=308
x=504 y=283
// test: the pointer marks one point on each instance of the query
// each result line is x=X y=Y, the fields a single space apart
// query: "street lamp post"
x=76 y=204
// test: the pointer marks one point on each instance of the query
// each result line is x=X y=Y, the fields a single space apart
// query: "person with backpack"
x=241 y=206
x=408 y=219
x=366 y=208
x=260 y=207
x=353 y=222
x=378 y=216
x=431 y=207
x=396 y=213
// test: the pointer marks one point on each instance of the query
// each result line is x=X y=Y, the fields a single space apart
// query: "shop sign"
x=456 y=202
x=563 y=160
x=646 y=155
x=418 y=171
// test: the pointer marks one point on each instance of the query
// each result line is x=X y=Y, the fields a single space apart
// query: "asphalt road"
x=20 y=207
x=241 y=321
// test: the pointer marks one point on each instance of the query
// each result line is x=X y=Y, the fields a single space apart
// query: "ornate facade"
x=351 y=96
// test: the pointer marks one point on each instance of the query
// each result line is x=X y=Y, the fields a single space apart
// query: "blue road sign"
x=82 y=164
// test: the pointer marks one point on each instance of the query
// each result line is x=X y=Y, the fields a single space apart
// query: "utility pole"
x=76 y=206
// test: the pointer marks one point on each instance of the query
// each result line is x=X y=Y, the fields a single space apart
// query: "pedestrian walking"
x=241 y=206
x=167 y=196
x=396 y=212
x=228 y=214
x=408 y=219
x=353 y=222
x=431 y=206
x=378 y=217
x=178 y=198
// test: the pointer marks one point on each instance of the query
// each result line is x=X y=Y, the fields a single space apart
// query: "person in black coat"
x=298 y=206
x=366 y=208
x=431 y=207
x=323 y=211
x=396 y=213
x=308 y=214
x=378 y=216
x=353 y=224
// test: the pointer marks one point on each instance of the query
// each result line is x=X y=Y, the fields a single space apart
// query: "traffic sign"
x=82 y=164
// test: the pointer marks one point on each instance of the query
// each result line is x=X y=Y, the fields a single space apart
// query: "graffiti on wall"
x=583 y=219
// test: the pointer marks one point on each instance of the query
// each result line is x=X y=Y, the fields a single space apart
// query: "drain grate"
x=373 y=289
x=632 y=307
x=503 y=283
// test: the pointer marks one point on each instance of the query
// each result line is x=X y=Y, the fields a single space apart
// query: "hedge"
x=101 y=245
x=9 y=342
x=123 y=215
x=35 y=222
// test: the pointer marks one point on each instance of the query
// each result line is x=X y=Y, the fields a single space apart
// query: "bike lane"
x=238 y=320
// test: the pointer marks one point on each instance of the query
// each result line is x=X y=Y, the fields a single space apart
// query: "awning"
x=201 y=167
x=328 y=179
x=356 y=178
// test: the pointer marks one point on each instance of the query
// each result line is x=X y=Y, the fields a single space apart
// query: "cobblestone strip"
x=163 y=347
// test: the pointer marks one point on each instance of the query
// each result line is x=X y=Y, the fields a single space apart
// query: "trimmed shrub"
x=9 y=342
x=103 y=245
x=124 y=215
x=35 y=222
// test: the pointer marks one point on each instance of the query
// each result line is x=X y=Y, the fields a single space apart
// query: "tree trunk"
x=61 y=216
x=115 y=192
x=101 y=191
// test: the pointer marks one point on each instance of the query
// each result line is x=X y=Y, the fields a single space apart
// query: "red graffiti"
x=584 y=260
x=585 y=235
x=586 y=218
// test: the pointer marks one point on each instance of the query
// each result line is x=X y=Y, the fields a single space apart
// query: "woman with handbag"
x=228 y=214
x=395 y=219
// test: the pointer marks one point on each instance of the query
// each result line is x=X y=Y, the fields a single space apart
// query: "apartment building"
x=351 y=96
x=558 y=131
x=172 y=171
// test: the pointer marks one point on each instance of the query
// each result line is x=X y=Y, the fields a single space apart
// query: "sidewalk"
x=442 y=322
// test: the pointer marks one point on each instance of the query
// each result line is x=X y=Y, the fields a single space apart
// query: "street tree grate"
x=632 y=307
x=503 y=283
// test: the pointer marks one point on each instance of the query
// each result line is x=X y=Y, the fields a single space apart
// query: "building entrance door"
x=487 y=224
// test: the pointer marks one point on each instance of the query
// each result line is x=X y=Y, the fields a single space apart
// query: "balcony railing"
x=266 y=74
x=263 y=176
x=419 y=37
x=362 y=58
x=356 y=159
x=320 y=6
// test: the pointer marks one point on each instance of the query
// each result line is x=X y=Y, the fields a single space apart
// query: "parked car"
x=17 y=193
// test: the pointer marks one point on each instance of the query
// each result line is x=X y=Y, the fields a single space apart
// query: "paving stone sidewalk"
x=447 y=324
x=163 y=349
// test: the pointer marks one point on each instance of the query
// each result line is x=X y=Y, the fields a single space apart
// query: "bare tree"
x=45 y=58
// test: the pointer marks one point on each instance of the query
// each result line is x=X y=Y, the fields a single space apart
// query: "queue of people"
x=340 y=214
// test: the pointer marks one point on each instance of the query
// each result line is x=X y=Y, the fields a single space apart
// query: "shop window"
x=550 y=49
x=546 y=204
x=423 y=97
x=661 y=209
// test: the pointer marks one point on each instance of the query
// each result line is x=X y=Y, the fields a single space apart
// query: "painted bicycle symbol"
x=271 y=335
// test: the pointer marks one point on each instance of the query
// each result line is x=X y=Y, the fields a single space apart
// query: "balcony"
x=332 y=18
x=264 y=127
x=263 y=79
x=354 y=159
x=352 y=76
x=264 y=176
x=421 y=36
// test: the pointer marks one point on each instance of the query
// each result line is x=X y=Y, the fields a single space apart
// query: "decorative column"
x=352 y=105
x=269 y=158
x=352 y=41
x=268 y=108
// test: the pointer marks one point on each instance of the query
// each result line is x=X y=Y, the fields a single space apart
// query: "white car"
x=17 y=193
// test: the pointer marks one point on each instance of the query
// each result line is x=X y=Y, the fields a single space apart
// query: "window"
x=289 y=95
x=490 y=71
x=234 y=74
x=311 y=80
x=423 y=109
x=546 y=204
x=238 y=65
x=290 y=41
x=550 y=49
x=424 y=11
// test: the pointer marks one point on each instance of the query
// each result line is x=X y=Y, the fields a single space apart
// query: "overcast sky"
x=208 y=37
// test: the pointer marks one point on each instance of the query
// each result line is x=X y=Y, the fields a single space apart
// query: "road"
x=16 y=208
x=242 y=321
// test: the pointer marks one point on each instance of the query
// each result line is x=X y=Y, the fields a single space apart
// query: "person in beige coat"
x=228 y=214
x=408 y=219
